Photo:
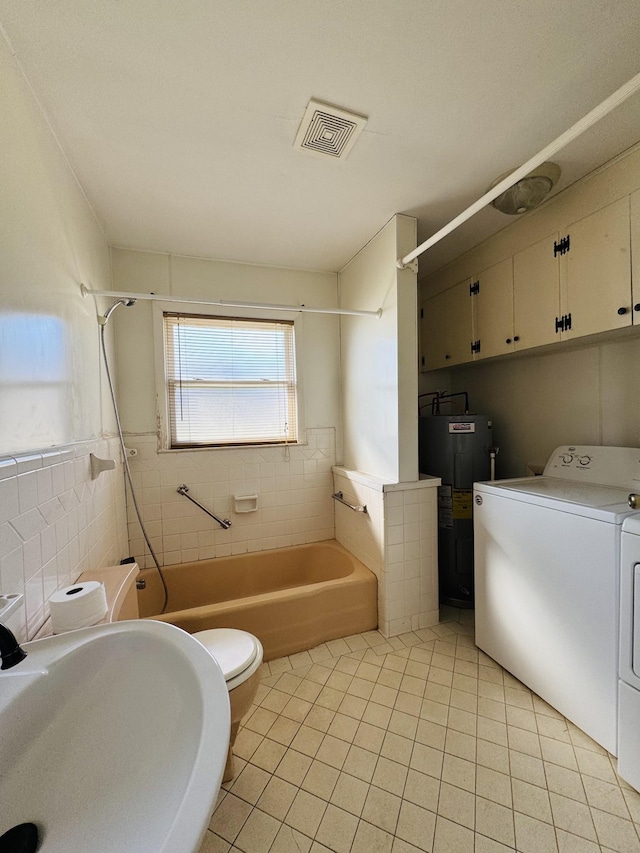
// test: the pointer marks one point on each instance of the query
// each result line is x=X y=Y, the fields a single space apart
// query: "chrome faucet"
x=10 y=650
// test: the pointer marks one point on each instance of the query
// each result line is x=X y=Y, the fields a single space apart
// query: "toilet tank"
x=120 y=588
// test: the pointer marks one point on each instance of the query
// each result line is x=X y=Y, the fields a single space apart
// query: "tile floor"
x=417 y=743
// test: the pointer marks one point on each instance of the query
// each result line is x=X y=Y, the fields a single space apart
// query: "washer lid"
x=603 y=503
x=585 y=494
x=234 y=650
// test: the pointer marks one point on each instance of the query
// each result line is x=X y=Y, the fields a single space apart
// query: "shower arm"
x=184 y=489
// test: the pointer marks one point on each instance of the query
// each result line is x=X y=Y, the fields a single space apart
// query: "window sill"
x=235 y=447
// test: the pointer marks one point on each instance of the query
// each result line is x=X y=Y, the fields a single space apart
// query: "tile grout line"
x=509 y=683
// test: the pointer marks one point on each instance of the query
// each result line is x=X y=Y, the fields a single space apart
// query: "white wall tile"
x=58 y=522
x=294 y=497
x=9 y=506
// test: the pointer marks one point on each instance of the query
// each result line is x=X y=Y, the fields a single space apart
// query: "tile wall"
x=55 y=523
x=293 y=487
x=397 y=540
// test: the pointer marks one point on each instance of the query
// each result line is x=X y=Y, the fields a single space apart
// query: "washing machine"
x=547 y=559
x=629 y=684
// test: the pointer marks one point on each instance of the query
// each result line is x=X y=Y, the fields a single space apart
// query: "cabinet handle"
x=447 y=356
x=508 y=341
x=516 y=338
x=636 y=307
x=622 y=311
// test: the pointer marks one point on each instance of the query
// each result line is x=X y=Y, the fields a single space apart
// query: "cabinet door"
x=493 y=310
x=445 y=328
x=635 y=255
x=536 y=294
x=595 y=274
x=459 y=330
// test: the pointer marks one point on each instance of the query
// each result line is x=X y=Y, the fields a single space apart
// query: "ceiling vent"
x=328 y=131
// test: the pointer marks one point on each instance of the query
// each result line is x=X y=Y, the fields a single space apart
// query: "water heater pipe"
x=547 y=153
x=493 y=452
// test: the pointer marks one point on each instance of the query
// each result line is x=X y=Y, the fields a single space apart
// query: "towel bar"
x=340 y=497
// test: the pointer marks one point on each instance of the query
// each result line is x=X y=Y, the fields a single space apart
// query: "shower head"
x=105 y=319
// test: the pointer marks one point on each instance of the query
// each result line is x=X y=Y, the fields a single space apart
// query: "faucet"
x=10 y=650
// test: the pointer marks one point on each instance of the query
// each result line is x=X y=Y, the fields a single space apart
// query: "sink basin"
x=113 y=738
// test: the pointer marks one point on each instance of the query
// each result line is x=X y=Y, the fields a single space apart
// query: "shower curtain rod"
x=228 y=303
x=564 y=139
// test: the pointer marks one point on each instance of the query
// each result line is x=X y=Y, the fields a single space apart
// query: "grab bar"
x=223 y=522
x=339 y=496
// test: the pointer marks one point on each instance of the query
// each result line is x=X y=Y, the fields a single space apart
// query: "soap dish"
x=245 y=503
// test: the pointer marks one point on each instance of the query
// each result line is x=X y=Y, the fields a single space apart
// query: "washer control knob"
x=567 y=458
x=634 y=501
x=584 y=460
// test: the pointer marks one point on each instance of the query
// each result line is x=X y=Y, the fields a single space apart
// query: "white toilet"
x=239 y=656
x=238 y=653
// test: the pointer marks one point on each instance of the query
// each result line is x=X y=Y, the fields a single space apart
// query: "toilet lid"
x=234 y=650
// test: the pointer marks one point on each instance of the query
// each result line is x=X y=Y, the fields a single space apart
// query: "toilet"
x=239 y=656
x=238 y=653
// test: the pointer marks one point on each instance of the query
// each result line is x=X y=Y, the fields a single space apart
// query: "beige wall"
x=55 y=521
x=210 y=279
x=568 y=393
x=49 y=243
x=379 y=357
x=587 y=396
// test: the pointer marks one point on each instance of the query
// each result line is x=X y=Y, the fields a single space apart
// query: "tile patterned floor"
x=418 y=743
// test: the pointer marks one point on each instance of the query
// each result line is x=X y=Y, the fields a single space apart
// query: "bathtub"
x=292 y=598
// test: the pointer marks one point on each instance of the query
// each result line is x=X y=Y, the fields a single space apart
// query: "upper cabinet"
x=445 y=328
x=575 y=282
x=635 y=254
x=595 y=273
x=536 y=294
x=492 y=301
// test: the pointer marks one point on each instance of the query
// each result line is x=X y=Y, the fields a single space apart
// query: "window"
x=229 y=380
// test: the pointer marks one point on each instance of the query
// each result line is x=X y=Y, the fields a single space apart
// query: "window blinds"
x=230 y=380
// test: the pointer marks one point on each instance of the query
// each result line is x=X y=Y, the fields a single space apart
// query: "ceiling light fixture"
x=528 y=192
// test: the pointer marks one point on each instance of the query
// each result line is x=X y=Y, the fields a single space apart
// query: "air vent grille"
x=328 y=131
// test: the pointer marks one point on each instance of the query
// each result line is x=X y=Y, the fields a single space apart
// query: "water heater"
x=456 y=449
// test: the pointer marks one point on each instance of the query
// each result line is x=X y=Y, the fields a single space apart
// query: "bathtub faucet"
x=223 y=522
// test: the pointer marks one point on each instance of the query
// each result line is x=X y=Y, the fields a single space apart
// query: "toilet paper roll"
x=77 y=606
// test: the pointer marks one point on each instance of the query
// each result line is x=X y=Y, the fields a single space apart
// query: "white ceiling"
x=179 y=116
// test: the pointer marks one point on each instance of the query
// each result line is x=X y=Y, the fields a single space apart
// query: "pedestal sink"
x=113 y=738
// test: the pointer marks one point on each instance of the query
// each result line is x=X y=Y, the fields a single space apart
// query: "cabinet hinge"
x=563 y=324
x=561 y=247
x=422 y=313
x=422 y=360
x=475 y=346
x=474 y=289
